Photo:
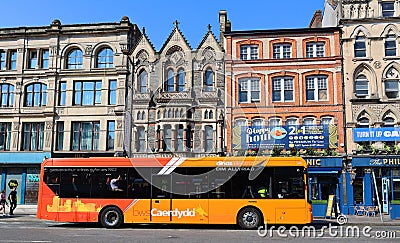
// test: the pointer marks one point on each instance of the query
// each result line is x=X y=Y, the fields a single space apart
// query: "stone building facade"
x=176 y=98
x=63 y=93
x=370 y=47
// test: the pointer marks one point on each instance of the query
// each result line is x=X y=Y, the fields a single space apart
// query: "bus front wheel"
x=111 y=217
x=249 y=218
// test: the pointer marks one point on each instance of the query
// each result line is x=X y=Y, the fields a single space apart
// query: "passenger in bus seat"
x=115 y=184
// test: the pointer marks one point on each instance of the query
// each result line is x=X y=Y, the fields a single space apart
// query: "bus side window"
x=52 y=179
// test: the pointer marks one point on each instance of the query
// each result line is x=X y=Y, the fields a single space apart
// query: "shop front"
x=325 y=178
x=375 y=182
x=22 y=170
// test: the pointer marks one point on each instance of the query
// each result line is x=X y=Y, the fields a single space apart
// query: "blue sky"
x=158 y=16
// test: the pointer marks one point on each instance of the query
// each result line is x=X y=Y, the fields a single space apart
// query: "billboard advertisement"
x=285 y=137
x=376 y=134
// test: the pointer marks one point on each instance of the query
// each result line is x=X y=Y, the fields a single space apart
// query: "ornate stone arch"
x=360 y=29
x=369 y=72
x=390 y=28
x=98 y=47
x=390 y=109
x=366 y=111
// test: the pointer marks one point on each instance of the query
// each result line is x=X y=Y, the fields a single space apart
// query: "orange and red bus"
x=248 y=191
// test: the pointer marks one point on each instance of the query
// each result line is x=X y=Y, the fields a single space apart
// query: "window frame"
x=75 y=59
x=209 y=80
x=110 y=138
x=63 y=94
x=94 y=133
x=5 y=133
x=312 y=49
x=112 y=92
x=6 y=96
x=388 y=12
x=319 y=83
x=390 y=51
x=96 y=93
x=13 y=60
x=45 y=57
x=35 y=139
x=360 y=47
x=60 y=135
x=142 y=81
x=37 y=98
x=282 y=89
x=208 y=138
x=251 y=92
x=3 y=60
x=33 y=59
x=107 y=54
x=282 y=51
x=249 y=52
x=359 y=80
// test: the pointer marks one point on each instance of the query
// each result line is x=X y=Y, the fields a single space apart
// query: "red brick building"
x=283 y=77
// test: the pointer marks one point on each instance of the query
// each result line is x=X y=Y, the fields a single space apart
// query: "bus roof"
x=176 y=162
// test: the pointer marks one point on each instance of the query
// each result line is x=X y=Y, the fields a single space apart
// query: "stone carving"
x=377 y=64
x=392 y=73
x=88 y=49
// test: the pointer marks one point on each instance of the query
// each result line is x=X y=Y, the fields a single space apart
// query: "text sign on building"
x=376 y=134
x=284 y=137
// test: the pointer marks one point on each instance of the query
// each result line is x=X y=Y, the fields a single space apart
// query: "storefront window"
x=396 y=189
x=358 y=188
x=323 y=186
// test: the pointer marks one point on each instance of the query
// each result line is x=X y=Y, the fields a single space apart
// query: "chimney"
x=224 y=26
x=316 y=21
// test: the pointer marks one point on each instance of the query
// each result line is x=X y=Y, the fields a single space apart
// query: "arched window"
x=240 y=122
x=389 y=121
x=75 y=59
x=206 y=115
x=36 y=95
x=6 y=95
x=211 y=115
x=105 y=58
x=390 y=45
x=392 y=83
x=170 y=81
x=275 y=122
x=138 y=116
x=209 y=80
x=309 y=121
x=209 y=139
x=326 y=120
x=363 y=122
x=361 y=86
x=257 y=122
x=181 y=80
x=292 y=121
x=170 y=113
x=143 y=115
x=158 y=114
x=165 y=115
x=142 y=82
x=176 y=113
x=359 y=47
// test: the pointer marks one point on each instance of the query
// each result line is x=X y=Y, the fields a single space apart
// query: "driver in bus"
x=114 y=184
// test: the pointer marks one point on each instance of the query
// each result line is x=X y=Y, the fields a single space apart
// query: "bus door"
x=160 y=204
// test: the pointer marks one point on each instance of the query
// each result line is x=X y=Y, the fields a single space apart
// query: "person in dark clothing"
x=12 y=197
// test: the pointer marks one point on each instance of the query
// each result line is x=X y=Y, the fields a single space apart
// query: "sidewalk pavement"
x=26 y=212
x=360 y=220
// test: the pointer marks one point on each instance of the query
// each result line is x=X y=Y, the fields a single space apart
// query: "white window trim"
x=314 y=49
x=249 y=90
x=248 y=49
x=317 y=89
x=282 y=90
x=281 y=50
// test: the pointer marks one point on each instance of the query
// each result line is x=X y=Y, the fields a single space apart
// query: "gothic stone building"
x=177 y=98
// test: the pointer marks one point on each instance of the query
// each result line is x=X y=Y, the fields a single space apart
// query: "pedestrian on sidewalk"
x=3 y=202
x=12 y=197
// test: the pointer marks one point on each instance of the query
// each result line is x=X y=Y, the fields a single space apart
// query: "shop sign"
x=323 y=162
x=284 y=137
x=12 y=183
x=379 y=162
x=376 y=134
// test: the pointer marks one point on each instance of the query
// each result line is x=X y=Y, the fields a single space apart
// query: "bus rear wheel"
x=249 y=218
x=111 y=217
